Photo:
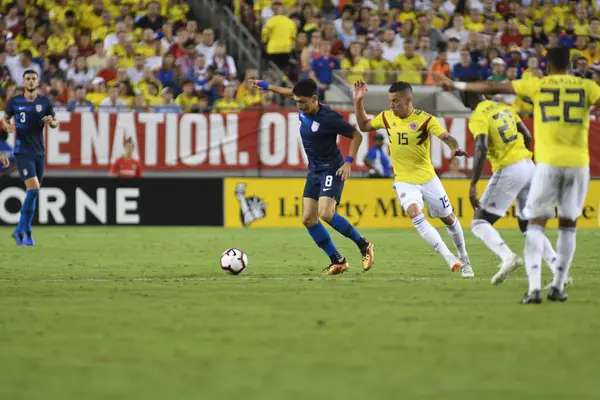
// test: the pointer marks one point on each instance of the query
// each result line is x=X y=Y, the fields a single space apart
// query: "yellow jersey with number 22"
x=410 y=149
x=561 y=113
x=498 y=121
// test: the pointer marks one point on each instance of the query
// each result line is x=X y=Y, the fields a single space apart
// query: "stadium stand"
x=157 y=57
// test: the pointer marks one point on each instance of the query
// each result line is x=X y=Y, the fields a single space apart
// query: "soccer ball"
x=234 y=261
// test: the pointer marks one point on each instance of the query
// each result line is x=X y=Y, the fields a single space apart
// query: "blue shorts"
x=323 y=184
x=30 y=165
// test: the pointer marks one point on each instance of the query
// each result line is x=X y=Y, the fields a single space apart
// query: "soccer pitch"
x=146 y=313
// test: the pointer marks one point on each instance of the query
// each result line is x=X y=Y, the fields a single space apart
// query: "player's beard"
x=31 y=90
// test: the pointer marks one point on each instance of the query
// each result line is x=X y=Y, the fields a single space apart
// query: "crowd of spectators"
x=119 y=55
x=419 y=41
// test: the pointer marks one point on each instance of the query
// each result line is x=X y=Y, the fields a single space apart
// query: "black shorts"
x=324 y=184
x=30 y=165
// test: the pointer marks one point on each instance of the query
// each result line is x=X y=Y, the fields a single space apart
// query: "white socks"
x=549 y=255
x=534 y=247
x=565 y=246
x=431 y=235
x=456 y=234
x=485 y=232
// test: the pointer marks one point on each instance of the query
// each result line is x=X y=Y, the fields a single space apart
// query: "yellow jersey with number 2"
x=561 y=112
x=498 y=121
x=410 y=149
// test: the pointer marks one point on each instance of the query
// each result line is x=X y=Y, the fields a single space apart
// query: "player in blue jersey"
x=327 y=171
x=31 y=112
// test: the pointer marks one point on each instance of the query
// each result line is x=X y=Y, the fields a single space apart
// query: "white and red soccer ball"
x=234 y=261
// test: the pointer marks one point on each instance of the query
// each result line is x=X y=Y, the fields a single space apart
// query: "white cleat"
x=454 y=263
x=506 y=268
x=466 y=270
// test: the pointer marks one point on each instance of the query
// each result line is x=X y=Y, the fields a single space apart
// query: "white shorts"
x=552 y=185
x=432 y=193
x=507 y=185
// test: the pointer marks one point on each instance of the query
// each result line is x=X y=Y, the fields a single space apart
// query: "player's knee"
x=309 y=220
x=567 y=223
x=481 y=214
x=449 y=220
x=326 y=214
x=413 y=211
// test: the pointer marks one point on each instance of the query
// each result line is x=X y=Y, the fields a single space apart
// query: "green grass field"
x=146 y=313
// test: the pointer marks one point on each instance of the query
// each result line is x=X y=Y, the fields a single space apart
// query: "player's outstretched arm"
x=453 y=144
x=526 y=134
x=262 y=85
x=478 y=87
x=363 y=121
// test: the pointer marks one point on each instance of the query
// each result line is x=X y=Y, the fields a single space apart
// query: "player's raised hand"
x=258 y=84
x=458 y=152
x=4 y=161
x=446 y=83
x=344 y=171
x=474 y=197
x=360 y=90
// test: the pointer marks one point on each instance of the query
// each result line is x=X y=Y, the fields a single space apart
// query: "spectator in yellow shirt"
x=581 y=24
x=407 y=12
x=354 y=65
x=59 y=41
x=580 y=49
x=279 y=35
x=227 y=104
x=474 y=22
x=98 y=92
x=246 y=93
x=187 y=99
x=146 y=46
x=93 y=20
x=381 y=67
x=410 y=65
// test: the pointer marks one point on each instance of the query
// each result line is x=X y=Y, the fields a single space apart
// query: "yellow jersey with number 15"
x=561 y=112
x=410 y=149
x=498 y=121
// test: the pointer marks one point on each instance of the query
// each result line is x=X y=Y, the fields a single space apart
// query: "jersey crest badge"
x=413 y=126
x=252 y=208
x=315 y=126
x=38 y=107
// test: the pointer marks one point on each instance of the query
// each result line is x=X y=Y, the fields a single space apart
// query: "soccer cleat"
x=467 y=270
x=556 y=295
x=506 y=268
x=534 y=297
x=28 y=240
x=336 y=269
x=454 y=263
x=368 y=257
x=18 y=238
x=568 y=281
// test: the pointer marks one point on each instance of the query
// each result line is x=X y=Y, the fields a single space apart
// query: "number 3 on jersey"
x=22 y=117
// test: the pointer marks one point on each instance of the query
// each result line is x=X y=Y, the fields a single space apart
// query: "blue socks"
x=27 y=211
x=344 y=227
x=322 y=238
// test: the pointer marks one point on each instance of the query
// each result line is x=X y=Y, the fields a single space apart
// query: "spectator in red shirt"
x=512 y=35
x=126 y=166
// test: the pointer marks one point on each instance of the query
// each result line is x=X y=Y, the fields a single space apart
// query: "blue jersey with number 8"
x=29 y=122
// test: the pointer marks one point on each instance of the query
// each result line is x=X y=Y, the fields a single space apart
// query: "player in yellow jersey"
x=503 y=138
x=416 y=183
x=561 y=123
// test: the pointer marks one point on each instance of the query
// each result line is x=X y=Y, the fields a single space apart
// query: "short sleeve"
x=516 y=116
x=377 y=122
x=527 y=87
x=337 y=125
x=9 y=108
x=478 y=124
x=592 y=92
x=434 y=127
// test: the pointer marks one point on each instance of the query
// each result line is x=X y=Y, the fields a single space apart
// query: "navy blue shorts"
x=323 y=184
x=30 y=165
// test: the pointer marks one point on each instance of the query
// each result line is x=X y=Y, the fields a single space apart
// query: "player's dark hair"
x=400 y=87
x=305 y=88
x=29 y=71
x=559 y=58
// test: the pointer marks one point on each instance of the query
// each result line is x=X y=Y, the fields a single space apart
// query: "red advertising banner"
x=251 y=140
